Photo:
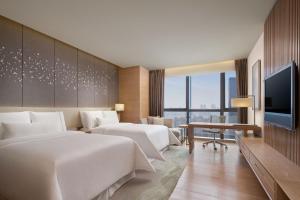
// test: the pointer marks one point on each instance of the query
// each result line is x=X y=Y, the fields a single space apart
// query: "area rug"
x=158 y=186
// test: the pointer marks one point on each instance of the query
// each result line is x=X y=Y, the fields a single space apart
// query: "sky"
x=205 y=89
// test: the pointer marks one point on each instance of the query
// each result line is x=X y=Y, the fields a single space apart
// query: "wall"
x=257 y=53
x=129 y=93
x=134 y=93
x=39 y=71
x=281 y=46
x=188 y=70
x=144 y=92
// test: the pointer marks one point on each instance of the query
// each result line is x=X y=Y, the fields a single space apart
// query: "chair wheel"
x=226 y=147
x=215 y=149
x=203 y=145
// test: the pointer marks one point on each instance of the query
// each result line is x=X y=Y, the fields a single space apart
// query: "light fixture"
x=244 y=102
x=119 y=107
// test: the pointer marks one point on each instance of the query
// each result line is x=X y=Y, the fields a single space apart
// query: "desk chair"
x=215 y=119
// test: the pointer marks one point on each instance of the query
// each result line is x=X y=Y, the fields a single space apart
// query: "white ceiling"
x=151 y=33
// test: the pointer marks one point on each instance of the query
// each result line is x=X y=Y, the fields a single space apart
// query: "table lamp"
x=244 y=102
x=119 y=107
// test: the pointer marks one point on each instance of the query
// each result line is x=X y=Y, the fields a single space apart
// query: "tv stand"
x=279 y=177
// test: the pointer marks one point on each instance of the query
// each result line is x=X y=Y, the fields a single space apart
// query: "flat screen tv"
x=281 y=97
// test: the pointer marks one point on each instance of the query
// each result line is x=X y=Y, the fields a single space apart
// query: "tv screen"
x=280 y=97
x=278 y=92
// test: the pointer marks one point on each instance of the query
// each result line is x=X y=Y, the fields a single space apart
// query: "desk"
x=243 y=127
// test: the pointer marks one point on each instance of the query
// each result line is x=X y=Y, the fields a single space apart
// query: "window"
x=178 y=117
x=199 y=86
x=175 y=91
x=230 y=87
x=195 y=98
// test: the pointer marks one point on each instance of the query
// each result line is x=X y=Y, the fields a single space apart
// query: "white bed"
x=151 y=138
x=65 y=165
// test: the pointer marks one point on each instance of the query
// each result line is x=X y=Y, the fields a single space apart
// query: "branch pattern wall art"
x=37 y=70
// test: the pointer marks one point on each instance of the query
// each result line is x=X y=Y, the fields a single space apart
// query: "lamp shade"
x=242 y=102
x=119 y=107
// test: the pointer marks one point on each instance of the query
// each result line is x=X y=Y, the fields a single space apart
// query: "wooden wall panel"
x=113 y=87
x=38 y=69
x=101 y=83
x=85 y=80
x=10 y=63
x=144 y=93
x=65 y=75
x=134 y=93
x=129 y=92
x=282 y=45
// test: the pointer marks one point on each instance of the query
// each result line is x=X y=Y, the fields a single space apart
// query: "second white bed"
x=151 y=138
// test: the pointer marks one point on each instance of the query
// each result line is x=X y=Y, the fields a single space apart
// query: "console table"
x=243 y=127
x=279 y=176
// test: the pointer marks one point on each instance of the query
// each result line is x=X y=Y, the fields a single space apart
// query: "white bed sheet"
x=66 y=166
x=151 y=138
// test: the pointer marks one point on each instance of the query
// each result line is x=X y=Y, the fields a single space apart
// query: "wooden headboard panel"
x=72 y=116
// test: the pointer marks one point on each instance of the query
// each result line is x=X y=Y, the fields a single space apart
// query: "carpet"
x=157 y=186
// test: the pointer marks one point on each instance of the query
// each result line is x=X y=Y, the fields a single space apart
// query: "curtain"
x=156 y=90
x=242 y=87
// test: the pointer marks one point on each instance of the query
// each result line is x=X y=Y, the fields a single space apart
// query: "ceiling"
x=151 y=33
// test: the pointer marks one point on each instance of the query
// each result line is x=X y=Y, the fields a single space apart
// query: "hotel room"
x=149 y=100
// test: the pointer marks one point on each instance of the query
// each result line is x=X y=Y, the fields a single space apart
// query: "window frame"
x=223 y=109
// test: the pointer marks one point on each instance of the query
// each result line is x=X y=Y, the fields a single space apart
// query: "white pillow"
x=25 y=129
x=56 y=119
x=104 y=121
x=111 y=117
x=13 y=117
x=88 y=118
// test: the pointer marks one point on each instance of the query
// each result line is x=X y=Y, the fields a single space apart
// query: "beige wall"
x=257 y=53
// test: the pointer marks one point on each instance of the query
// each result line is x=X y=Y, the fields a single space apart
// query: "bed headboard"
x=72 y=116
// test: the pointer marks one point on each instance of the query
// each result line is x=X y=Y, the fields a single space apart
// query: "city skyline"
x=175 y=88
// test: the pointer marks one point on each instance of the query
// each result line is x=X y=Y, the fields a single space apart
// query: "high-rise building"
x=231 y=89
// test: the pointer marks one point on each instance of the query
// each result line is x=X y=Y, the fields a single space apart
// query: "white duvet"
x=151 y=138
x=66 y=166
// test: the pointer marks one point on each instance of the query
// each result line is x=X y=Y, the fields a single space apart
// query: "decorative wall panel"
x=112 y=79
x=85 y=80
x=282 y=45
x=101 y=83
x=65 y=75
x=38 y=69
x=10 y=63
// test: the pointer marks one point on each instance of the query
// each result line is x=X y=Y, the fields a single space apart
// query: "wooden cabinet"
x=278 y=176
x=263 y=175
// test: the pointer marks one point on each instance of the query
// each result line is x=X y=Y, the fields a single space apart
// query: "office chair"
x=215 y=119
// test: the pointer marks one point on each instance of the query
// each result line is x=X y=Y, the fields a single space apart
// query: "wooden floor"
x=211 y=175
